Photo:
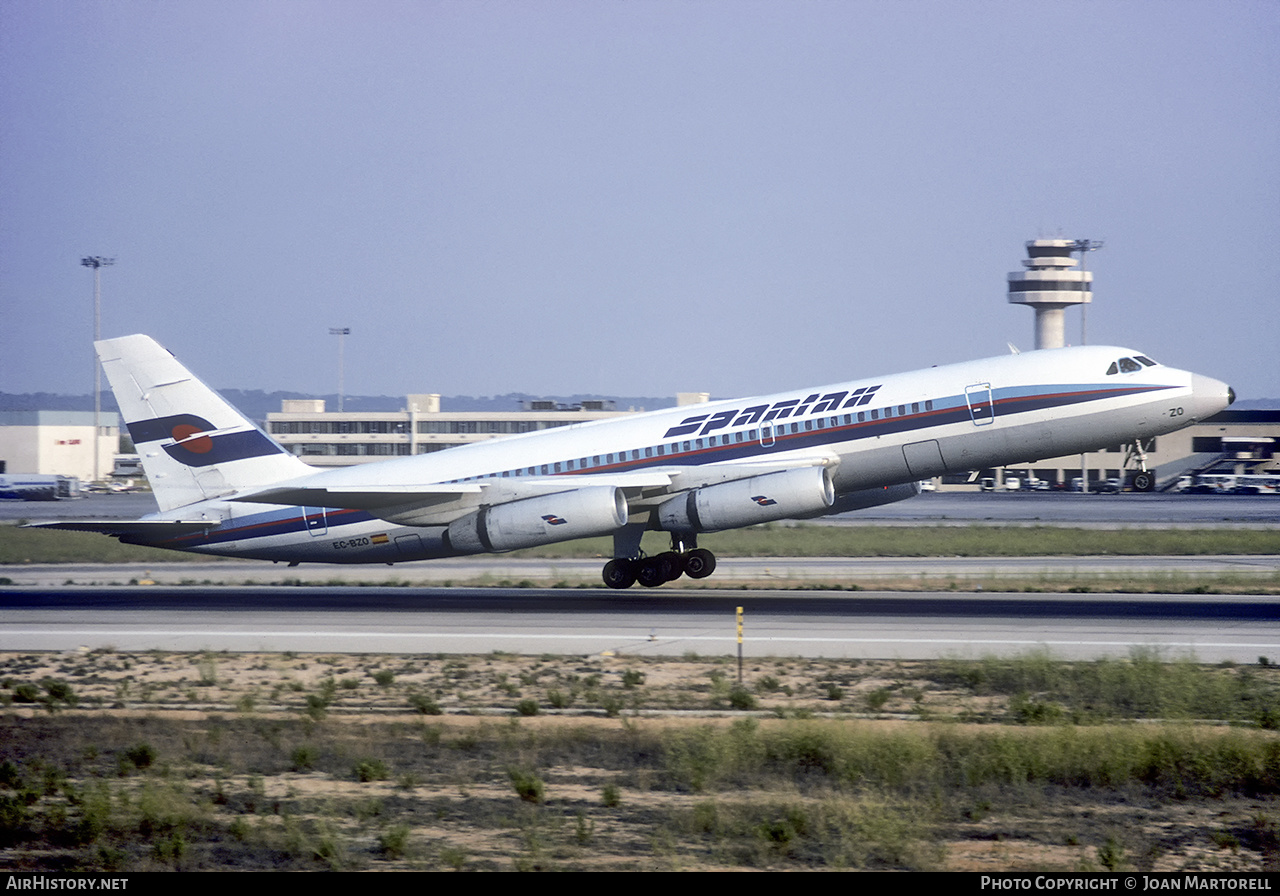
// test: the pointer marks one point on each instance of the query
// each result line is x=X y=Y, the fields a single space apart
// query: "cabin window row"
x=391 y=427
x=674 y=449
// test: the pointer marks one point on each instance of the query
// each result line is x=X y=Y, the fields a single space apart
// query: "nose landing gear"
x=1141 y=479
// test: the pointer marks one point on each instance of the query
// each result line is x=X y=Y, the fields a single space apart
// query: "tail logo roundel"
x=184 y=431
x=195 y=442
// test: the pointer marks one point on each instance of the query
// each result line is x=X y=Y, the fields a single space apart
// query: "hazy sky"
x=636 y=197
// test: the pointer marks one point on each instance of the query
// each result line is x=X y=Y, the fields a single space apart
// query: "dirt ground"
x=498 y=762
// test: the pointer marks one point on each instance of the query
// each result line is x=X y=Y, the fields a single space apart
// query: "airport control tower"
x=1049 y=285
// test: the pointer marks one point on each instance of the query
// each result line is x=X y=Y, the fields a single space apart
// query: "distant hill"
x=48 y=401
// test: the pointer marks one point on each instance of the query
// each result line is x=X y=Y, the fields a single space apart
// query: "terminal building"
x=57 y=442
x=1231 y=443
x=1236 y=442
x=329 y=439
x=1239 y=442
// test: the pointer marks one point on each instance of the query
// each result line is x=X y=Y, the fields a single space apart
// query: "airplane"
x=36 y=487
x=224 y=487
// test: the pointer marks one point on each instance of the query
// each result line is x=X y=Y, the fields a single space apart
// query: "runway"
x=668 y=622
x=242 y=606
x=730 y=571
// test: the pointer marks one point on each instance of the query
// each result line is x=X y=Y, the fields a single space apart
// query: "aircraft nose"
x=1209 y=395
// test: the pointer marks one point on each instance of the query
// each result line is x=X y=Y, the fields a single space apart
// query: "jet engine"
x=579 y=513
x=744 y=502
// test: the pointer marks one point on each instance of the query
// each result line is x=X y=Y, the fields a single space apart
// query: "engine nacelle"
x=580 y=513
x=744 y=502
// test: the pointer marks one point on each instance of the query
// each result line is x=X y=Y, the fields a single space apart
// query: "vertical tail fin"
x=194 y=445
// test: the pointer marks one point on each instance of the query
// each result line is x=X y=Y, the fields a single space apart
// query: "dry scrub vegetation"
x=249 y=761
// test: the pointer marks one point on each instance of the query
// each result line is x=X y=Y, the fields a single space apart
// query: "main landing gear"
x=684 y=558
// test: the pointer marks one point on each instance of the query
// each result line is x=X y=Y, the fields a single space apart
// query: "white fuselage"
x=869 y=434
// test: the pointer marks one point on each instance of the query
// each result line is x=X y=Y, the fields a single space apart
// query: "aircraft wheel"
x=699 y=563
x=652 y=572
x=620 y=573
x=674 y=565
x=1143 y=481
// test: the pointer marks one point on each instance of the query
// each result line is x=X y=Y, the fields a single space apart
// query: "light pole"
x=342 y=333
x=97 y=262
x=1084 y=247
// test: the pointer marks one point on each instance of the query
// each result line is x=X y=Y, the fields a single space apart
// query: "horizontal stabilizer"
x=157 y=528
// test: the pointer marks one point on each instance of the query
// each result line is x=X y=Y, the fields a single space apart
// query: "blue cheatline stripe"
x=264 y=525
x=1009 y=402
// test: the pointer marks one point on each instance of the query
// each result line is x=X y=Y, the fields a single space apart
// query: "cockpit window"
x=1129 y=365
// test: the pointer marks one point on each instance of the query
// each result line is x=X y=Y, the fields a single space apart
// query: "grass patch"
x=751 y=794
x=818 y=540
x=19 y=545
x=1042 y=689
x=790 y=779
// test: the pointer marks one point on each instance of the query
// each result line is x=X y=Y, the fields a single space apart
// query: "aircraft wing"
x=363 y=497
x=685 y=478
x=440 y=503
x=436 y=503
